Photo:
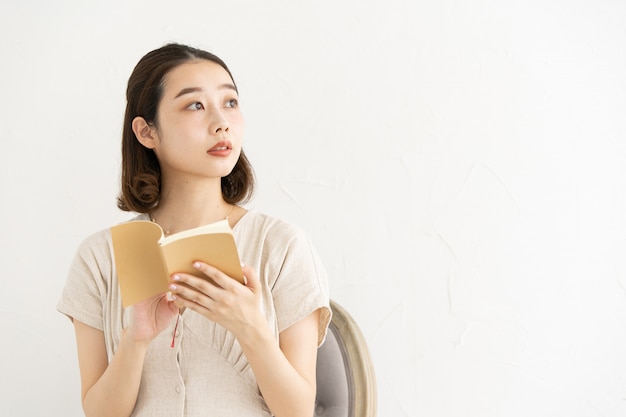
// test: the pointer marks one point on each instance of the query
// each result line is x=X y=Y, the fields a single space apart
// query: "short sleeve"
x=301 y=286
x=86 y=286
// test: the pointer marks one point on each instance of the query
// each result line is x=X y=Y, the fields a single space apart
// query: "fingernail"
x=170 y=296
x=196 y=264
x=172 y=287
x=176 y=278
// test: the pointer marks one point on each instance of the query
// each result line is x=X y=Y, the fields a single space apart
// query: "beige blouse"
x=205 y=373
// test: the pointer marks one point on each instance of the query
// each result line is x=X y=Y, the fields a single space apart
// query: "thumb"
x=250 y=277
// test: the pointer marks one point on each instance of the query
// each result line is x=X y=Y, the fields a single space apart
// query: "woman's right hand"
x=150 y=317
x=110 y=386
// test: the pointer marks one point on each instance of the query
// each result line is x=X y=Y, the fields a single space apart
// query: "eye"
x=195 y=106
x=232 y=103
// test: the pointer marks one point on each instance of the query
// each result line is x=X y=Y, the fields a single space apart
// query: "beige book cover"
x=145 y=259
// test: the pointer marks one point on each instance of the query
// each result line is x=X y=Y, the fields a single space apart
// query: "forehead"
x=201 y=73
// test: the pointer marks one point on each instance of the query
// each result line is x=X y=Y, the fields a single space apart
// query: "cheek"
x=237 y=120
x=236 y=130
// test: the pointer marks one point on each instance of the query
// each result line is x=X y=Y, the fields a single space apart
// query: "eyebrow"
x=189 y=90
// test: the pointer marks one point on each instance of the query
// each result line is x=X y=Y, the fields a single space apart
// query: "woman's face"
x=199 y=125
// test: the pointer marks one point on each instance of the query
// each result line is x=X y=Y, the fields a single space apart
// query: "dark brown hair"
x=141 y=173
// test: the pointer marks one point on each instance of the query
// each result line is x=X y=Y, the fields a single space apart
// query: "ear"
x=146 y=134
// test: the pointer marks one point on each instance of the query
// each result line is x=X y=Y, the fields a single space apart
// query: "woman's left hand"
x=226 y=301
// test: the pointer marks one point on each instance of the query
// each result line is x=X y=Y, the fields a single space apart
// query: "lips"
x=222 y=148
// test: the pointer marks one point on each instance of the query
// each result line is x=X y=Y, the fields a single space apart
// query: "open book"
x=145 y=258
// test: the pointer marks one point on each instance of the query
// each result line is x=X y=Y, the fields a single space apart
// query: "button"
x=178 y=390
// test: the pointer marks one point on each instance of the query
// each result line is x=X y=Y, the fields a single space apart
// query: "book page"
x=216 y=249
x=221 y=226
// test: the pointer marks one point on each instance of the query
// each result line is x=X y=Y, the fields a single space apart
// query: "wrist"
x=256 y=333
x=131 y=341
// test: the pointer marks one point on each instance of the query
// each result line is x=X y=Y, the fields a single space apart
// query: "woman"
x=239 y=349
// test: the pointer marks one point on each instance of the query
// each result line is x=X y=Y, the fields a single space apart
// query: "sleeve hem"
x=83 y=317
x=325 y=317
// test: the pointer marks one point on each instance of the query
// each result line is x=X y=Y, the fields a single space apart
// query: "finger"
x=183 y=293
x=197 y=306
x=204 y=285
x=251 y=277
x=221 y=279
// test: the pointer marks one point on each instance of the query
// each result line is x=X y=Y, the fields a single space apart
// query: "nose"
x=219 y=123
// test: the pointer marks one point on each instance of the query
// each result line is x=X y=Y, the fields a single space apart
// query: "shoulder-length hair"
x=141 y=172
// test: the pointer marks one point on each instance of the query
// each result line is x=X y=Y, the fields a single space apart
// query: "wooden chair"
x=346 y=384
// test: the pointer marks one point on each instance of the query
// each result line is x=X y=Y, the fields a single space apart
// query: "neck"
x=184 y=207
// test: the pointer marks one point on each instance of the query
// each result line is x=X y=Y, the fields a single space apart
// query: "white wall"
x=459 y=165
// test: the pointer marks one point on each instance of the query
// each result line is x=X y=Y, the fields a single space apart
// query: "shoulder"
x=266 y=226
x=272 y=241
x=277 y=246
x=95 y=241
x=99 y=243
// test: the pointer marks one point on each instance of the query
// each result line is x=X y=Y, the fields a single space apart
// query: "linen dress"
x=206 y=372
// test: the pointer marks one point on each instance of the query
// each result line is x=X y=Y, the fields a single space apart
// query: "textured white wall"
x=459 y=165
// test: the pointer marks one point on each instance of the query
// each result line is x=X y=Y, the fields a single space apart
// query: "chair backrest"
x=346 y=383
